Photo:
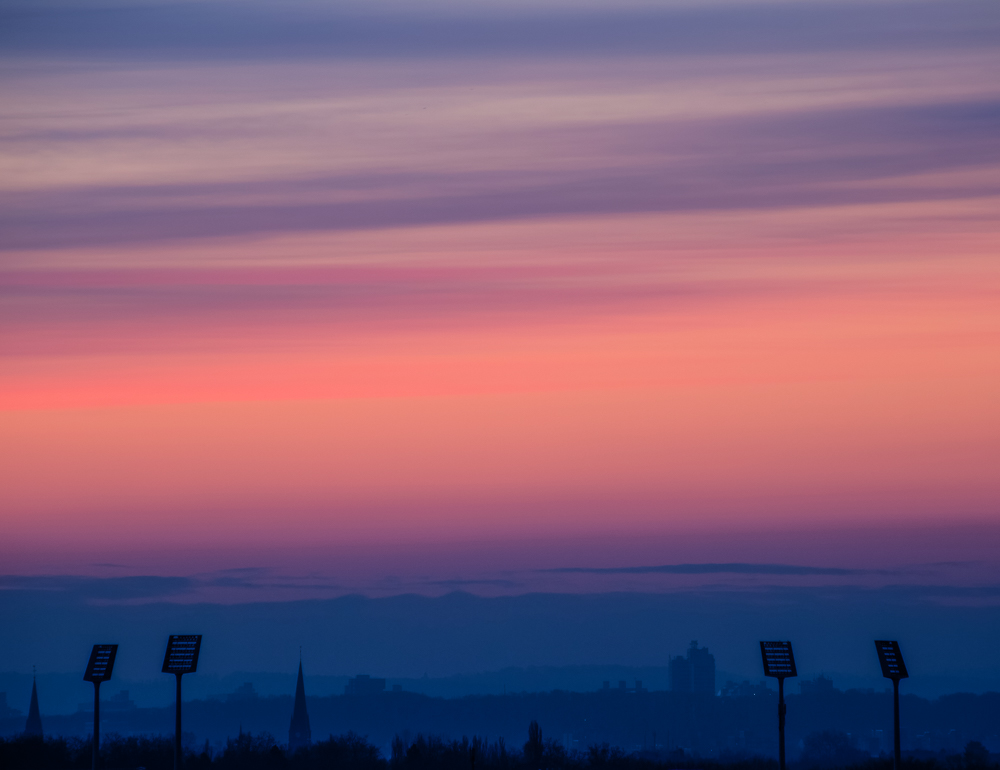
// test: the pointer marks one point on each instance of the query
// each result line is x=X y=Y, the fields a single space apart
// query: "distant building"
x=119 y=702
x=745 y=689
x=694 y=673
x=244 y=692
x=299 y=734
x=5 y=710
x=363 y=684
x=702 y=669
x=116 y=703
x=680 y=674
x=34 y=724
x=817 y=686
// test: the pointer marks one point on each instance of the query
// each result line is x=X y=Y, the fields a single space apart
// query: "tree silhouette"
x=976 y=755
x=534 y=748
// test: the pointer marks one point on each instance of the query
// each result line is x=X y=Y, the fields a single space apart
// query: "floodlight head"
x=182 y=654
x=102 y=661
x=891 y=659
x=778 y=659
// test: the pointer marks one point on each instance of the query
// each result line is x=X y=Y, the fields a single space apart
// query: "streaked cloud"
x=710 y=569
x=215 y=30
x=817 y=158
x=144 y=587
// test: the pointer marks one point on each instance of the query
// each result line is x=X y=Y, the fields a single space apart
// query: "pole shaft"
x=177 y=727
x=781 y=723
x=97 y=726
x=897 y=755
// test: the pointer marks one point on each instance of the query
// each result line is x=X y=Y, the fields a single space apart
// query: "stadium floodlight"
x=101 y=663
x=891 y=660
x=893 y=667
x=99 y=668
x=182 y=654
x=181 y=658
x=779 y=662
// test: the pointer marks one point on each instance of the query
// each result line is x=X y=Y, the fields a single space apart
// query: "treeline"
x=705 y=726
x=353 y=752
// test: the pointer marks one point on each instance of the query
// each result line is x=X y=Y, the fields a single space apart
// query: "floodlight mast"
x=893 y=667
x=181 y=658
x=178 y=756
x=95 y=754
x=779 y=662
x=99 y=668
x=897 y=752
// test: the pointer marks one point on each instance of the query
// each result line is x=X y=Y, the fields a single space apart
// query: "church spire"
x=34 y=724
x=299 y=734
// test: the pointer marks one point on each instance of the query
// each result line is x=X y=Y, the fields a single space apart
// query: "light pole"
x=99 y=668
x=181 y=658
x=893 y=667
x=779 y=662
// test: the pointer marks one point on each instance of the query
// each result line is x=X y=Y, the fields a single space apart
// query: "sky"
x=306 y=299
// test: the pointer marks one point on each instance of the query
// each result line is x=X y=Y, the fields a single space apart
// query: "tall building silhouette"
x=695 y=673
x=34 y=724
x=702 y=669
x=680 y=674
x=299 y=734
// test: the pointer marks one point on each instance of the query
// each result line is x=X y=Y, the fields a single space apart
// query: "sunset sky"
x=419 y=292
